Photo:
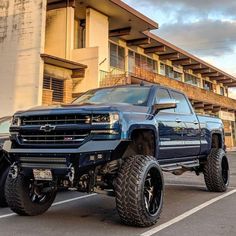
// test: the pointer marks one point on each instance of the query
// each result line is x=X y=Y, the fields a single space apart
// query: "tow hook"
x=14 y=171
x=71 y=173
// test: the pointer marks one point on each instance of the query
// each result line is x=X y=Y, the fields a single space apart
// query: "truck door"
x=170 y=129
x=191 y=127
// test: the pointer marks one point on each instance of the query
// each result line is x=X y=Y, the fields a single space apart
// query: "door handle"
x=178 y=120
x=195 y=122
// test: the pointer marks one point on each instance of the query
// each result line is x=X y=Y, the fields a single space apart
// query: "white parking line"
x=55 y=204
x=7 y=215
x=186 y=185
x=73 y=199
x=192 y=185
x=186 y=214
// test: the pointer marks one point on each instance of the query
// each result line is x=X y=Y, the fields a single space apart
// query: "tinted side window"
x=163 y=94
x=182 y=106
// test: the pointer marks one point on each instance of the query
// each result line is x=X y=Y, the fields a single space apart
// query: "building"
x=51 y=51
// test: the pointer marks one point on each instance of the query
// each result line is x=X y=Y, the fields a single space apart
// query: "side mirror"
x=164 y=104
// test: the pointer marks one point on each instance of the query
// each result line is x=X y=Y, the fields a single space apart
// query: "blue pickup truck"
x=115 y=141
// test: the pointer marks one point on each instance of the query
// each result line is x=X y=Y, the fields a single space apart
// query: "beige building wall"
x=89 y=57
x=60 y=32
x=96 y=53
x=97 y=35
x=22 y=29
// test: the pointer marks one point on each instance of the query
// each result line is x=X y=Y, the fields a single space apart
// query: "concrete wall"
x=96 y=53
x=22 y=26
x=89 y=57
x=97 y=30
x=60 y=32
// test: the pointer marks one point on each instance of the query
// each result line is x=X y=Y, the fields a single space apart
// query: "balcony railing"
x=112 y=78
x=193 y=92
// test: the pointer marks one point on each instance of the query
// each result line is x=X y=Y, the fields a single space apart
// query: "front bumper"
x=60 y=160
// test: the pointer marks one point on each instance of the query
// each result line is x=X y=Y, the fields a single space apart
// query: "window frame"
x=118 y=64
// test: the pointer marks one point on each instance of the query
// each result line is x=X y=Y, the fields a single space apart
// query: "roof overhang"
x=78 y=69
x=178 y=56
x=62 y=63
x=121 y=16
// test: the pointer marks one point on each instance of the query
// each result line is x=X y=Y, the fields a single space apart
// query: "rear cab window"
x=183 y=105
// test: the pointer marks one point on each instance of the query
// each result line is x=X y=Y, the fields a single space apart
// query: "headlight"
x=16 y=121
x=105 y=119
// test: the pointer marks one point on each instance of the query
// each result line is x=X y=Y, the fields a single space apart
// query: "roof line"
x=170 y=45
x=128 y=8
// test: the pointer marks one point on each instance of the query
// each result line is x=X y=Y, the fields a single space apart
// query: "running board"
x=181 y=167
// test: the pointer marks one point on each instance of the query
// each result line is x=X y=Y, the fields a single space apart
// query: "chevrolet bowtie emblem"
x=47 y=128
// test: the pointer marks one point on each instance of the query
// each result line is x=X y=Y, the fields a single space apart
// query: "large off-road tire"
x=3 y=177
x=216 y=171
x=139 y=189
x=24 y=198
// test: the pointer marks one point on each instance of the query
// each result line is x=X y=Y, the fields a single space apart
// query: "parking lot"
x=188 y=210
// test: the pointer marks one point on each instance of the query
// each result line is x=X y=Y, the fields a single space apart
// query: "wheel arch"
x=217 y=140
x=149 y=134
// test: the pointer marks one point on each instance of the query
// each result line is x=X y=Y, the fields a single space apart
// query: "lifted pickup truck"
x=117 y=141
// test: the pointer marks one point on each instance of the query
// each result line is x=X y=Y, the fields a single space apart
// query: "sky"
x=205 y=28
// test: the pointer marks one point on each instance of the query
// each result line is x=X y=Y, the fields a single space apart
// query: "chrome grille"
x=55 y=137
x=57 y=119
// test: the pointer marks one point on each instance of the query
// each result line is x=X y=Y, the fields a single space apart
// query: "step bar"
x=181 y=167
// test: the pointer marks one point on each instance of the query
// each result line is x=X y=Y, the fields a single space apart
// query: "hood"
x=85 y=108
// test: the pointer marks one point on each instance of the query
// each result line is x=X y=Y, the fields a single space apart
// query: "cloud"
x=203 y=27
x=199 y=8
x=204 y=37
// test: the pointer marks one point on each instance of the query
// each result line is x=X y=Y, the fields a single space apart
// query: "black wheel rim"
x=153 y=191
x=36 y=195
x=225 y=171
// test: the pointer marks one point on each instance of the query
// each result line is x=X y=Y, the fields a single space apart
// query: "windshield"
x=129 y=95
x=4 y=126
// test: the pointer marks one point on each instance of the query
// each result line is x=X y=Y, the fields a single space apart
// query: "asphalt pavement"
x=189 y=209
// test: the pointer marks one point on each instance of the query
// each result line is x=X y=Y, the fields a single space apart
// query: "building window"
x=169 y=72
x=117 y=56
x=207 y=85
x=131 y=62
x=191 y=79
x=162 y=69
x=138 y=62
x=57 y=87
x=222 y=91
